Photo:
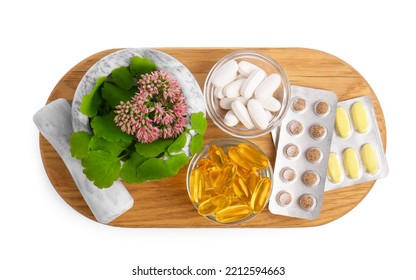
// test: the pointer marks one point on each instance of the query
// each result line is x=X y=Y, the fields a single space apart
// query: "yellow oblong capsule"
x=213 y=205
x=351 y=163
x=370 y=160
x=233 y=213
x=253 y=156
x=359 y=117
x=334 y=169
x=217 y=155
x=198 y=180
x=213 y=173
x=240 y=189
x=236 y=201
x=225 y=178
x=342 y=123
x=205 y=163
x=252 y=180
x=237 y=159
x=242 y=172
x=207 y=194
x=261 y=194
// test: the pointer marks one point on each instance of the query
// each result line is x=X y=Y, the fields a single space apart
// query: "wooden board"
x=165 y=203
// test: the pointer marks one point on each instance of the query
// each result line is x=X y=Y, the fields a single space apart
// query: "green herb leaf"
x=113 y=94
x=141 y=65
x=91 y=101
x=105 y=127
x=196 y=144
x=122 y=77
x=176 y=162
x=79 y=143
x=129 y=169
x=157 y=168
x=153 y=149
x=104 y=109
x=152 y=169
x=114 y=148
x=199 y=122
x=102 y=168
x=178 y=145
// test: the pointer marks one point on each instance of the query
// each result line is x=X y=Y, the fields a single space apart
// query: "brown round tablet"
x=291 y=151
x=299 y=104
x=307 y=202
x=288 y=174
x=318 y=131
x=321 y=108
x=313 y=155
x=310 y=178
x=284 y=198
x=295 y=128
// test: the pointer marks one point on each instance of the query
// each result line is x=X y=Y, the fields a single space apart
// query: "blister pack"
x=357 y=153
x=302 y=154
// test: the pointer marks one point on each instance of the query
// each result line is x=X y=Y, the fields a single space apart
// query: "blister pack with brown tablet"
x=302 y=154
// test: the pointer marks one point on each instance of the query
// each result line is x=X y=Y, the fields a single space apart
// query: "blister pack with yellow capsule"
x=357 y=153
x=302 y=153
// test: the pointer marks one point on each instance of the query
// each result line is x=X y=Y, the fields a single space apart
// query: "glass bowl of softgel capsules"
x=246 y=94
x=229 y=181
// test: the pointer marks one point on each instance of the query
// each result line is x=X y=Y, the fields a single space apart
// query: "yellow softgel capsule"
x=217 y=155
x=351 y=163
x=370 y=160
x=235 y=201
x=213 y=205
x=359 y=117
x=237 y=159
x=207 y=194
x=225 y=178
x=198 y=181
x=252 y=180
x=213 y=173
x=253 y=156
x=233 y=213
x=242 y=172
x=342 y=123
x=205 y=163
x=260 y=194
x=334 y=169
x=240 y=189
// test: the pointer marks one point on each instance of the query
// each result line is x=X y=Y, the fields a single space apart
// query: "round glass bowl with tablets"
x=257 y=85
x=229 y=181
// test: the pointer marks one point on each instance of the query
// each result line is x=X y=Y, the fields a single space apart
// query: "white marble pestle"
x=54 y=121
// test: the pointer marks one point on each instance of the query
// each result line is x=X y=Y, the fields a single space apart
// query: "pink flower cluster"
x=157 y=110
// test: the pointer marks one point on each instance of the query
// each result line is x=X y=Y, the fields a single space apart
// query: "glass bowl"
x=270 y=66
x=225 y=144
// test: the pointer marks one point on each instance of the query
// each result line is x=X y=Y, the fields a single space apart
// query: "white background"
x=42 y=237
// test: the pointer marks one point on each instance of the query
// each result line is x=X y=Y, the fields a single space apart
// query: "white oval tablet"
x=267 y=87
x=269 y=115
x=231 y=119
x=257 y=113
x=242 y=114
x=252 y=82
x=226 y=102
x=225 y=74
x=271 y=104
x=233 y=89
x=245 y=68
x=218 y=93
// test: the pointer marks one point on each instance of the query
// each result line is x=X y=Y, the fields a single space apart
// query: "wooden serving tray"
x=165 y=203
